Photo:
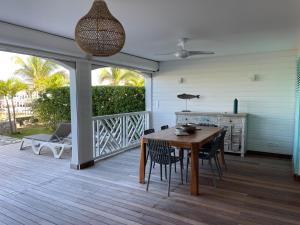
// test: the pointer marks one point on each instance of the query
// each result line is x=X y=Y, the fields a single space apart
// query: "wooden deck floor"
x=43 y=190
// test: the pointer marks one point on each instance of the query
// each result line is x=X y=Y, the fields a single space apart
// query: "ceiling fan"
x=182 y=53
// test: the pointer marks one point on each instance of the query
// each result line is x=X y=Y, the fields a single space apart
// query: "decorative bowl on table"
x=184 y=130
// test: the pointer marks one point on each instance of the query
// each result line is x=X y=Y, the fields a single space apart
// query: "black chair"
x=164 y=127
x=207 y=147
x=160 y=153
x=222 y=137
x=149 y=131
x=209 y=154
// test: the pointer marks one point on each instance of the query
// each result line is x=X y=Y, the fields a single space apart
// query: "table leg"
x=195 y=170
x=142 y=162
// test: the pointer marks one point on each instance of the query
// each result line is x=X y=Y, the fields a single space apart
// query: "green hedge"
x=53 y=106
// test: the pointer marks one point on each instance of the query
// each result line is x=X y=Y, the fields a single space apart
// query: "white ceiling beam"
x=24 y=40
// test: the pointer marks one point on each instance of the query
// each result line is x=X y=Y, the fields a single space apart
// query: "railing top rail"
x=119 y=115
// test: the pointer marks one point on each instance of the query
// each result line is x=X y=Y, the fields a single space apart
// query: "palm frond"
x=105 y=75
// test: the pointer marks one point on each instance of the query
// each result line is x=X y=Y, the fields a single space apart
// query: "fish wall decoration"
x=187 y=97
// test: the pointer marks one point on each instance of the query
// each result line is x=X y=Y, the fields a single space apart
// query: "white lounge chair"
x=57 y=142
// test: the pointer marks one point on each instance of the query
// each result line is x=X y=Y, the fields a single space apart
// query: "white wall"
x=269 y=101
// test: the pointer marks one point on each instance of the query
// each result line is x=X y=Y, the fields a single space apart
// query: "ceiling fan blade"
x=169 y=53
x=201 y=53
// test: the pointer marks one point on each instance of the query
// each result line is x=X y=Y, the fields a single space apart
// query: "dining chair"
x=210 y=154
x=207 y=147
x=222 y=137
x=150 y=131
x=146 y=132
x=160 y=153
x=164 y=127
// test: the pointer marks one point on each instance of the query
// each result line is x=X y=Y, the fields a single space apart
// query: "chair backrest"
x=222 y=135
x=149 y=131
x=160 y=151
x=208 y=125
x=62 y=131
x=216 y=144
x=164 y=127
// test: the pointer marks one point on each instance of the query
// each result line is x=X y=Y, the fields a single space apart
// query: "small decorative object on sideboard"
x=235 y=106
x=187 y=97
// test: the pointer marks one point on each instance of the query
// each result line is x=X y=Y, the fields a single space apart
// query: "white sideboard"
x=235 y=124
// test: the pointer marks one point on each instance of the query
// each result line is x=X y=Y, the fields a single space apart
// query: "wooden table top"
x=199 y=136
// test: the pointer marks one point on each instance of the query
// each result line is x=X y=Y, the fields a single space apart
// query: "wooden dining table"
x=191 y=142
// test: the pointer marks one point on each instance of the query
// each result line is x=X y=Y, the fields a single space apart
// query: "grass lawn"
x=26 y=131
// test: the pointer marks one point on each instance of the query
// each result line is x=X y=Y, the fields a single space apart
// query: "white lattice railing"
x=116 y=133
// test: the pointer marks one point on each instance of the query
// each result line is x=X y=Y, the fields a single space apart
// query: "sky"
x=7 y=67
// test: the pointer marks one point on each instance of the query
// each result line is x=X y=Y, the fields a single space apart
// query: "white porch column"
x=149 y=96
x=81 y=116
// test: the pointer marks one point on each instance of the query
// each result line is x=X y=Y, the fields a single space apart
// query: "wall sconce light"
x=254 y=77
x=181 y=80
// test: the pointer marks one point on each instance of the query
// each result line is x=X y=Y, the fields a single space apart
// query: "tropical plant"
x=9 y=89
x=15 y=85
x=4 y=91
x=53 y=106
x=116 y=77
x=41 y=73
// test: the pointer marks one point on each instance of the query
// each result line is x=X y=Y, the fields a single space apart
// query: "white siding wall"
x=270 y=100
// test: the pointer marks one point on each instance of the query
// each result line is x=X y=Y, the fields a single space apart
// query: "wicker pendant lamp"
x=99 y=33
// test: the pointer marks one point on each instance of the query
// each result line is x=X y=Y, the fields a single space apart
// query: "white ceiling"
x=153 y=26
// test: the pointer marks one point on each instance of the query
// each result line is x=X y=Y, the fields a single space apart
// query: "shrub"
x=53 y=106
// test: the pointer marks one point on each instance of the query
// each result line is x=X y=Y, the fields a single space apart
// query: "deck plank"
x=38 y=189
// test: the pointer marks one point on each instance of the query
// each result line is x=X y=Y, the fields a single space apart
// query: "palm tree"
x=116 y=76
x=137 y=82
x=14 y=86
x=41 y=73
x=4 y=91
x=9 y=89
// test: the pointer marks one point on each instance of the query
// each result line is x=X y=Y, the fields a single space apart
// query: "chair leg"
x=175 y=162
x=160 y=171
x=181 y=156
x=202 y=162
x=213 y=173
x=181 y=170
x=217 y=166
x=169 y=183
x=166 y=172
x=149 y=175
x=21 y=146
x=221 y=171
x=187 y=169
x=223 y=160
